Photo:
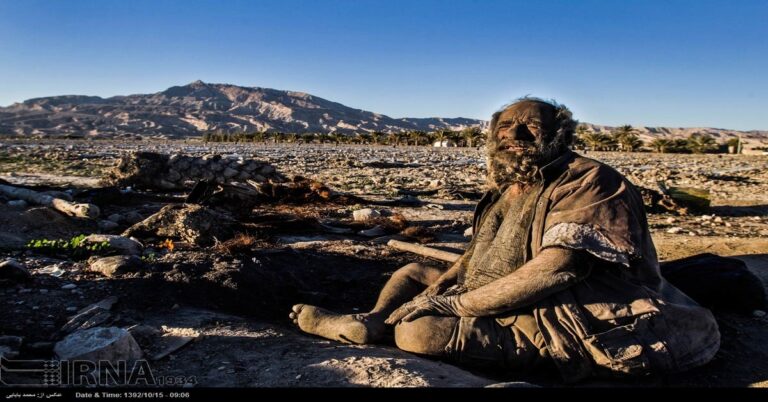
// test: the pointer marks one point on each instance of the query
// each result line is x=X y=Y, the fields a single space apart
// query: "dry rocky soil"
x=216 y=314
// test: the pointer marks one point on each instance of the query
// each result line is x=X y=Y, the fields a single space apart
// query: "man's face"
x=524 y=125
x=522 y=141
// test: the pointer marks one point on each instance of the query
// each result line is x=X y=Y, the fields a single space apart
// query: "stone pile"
x=179 y=171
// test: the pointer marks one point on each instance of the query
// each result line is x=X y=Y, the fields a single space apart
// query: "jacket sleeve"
x=599 y=212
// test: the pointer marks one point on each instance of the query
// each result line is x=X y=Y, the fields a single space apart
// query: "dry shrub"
x=418 y=233
x=242 y=242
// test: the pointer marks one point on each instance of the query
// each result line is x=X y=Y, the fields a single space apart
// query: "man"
x=561 y=270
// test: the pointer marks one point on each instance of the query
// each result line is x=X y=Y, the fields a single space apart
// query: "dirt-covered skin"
x=259 y=347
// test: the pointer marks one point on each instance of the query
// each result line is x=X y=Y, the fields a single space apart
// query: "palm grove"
x=623 y=139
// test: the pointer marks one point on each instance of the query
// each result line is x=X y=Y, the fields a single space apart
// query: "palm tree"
x=416 y=136
x=701 y=143
x=630 y=143
x=437 y=137
x=402 y=138
x=626 y=138
x=470 y=134
x=336 y=137
x=661 y=145
x=596 y=141
x=392 y=139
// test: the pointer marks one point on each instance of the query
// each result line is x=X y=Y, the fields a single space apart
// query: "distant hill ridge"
x=192 y=109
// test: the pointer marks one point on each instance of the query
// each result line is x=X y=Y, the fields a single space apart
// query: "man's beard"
x=506 y=167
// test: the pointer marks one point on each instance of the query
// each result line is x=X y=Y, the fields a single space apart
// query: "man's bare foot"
x=347 y=328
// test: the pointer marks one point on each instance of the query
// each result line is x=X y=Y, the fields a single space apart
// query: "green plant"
x=149 y=258
x=75 y=247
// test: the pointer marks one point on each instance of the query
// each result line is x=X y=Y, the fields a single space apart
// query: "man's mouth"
x=517 y=147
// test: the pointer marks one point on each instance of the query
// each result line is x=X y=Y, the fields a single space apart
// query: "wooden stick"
x=69 y=208
x=424 y=250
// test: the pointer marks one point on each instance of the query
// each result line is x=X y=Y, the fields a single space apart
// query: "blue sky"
x=659 y=63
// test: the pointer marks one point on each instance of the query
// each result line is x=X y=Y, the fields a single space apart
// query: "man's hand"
x=425 y=305
x=437 y=288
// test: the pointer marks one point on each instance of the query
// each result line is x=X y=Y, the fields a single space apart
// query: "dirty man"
x=561 y=272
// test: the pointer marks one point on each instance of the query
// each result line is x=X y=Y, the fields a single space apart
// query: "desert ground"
x=216 y=313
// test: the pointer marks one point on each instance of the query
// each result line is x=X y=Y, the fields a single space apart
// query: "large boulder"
x=99 y=344
x=191 y=223
x=123 y=244
x=115 y=265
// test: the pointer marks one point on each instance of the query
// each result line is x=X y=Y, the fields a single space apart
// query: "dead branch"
x=424 y=251
x=69 y=208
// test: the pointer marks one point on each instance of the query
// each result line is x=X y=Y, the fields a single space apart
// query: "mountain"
x=647 y=134
x=192 y=109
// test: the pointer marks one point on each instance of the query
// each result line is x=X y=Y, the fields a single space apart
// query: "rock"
x=69 y=286
x=267 y=170
x=18 y=204
x=115 y=265
x=107 y=225
x=671 y=220
x=718 y=220
x=99 y=344
x=117 y=218
x=53 y=270
x=133 y=217
x=172 y=175
x=123 y=244
x=365 y=214
x=675 y=230
x=469 y=232
x=12 y=270
x=758 y=313
x=90 y=316
x=229 y=173
x=192 y=223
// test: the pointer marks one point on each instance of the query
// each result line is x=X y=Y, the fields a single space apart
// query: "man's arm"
x=553 y=270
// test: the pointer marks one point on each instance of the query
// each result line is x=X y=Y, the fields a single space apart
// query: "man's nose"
x=517 y=132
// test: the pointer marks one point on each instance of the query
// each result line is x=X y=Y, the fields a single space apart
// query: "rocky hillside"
x=720 y=134
x=189 y=110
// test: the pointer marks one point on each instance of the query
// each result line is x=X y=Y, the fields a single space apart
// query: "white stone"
x=365 y=214
x=675 y=230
